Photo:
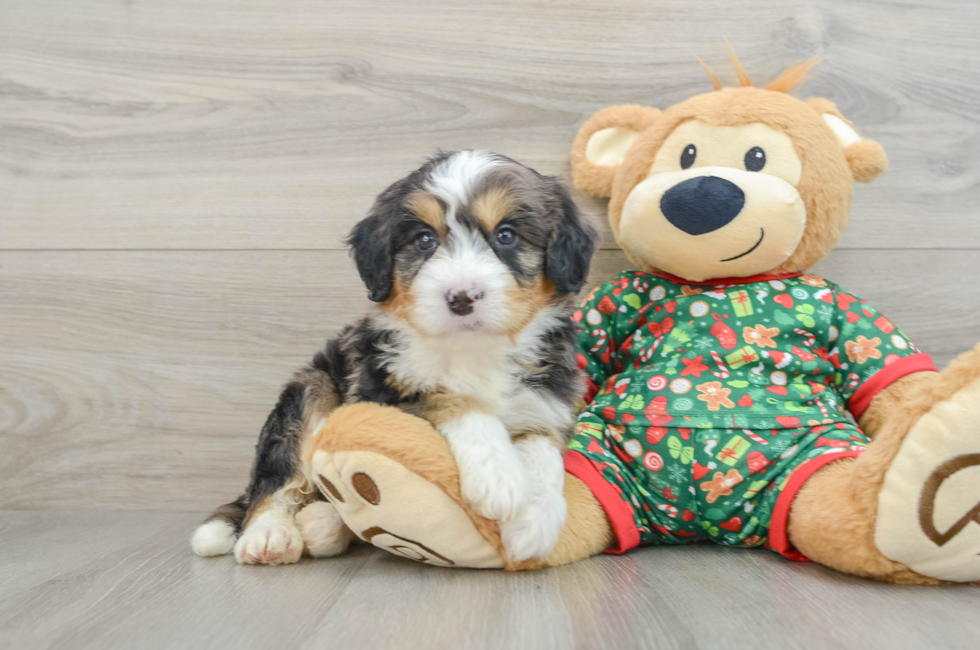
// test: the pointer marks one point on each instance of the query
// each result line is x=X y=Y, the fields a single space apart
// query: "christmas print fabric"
x=706 y=398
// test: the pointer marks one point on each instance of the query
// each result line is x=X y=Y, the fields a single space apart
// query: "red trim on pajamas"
x=778 y=535
x=885 y=377
x=620 y=514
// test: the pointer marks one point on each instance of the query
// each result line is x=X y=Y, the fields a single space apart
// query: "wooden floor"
x=127 y=580
x=176 y=178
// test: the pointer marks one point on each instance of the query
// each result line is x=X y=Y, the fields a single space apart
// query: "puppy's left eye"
x=426 y=241
x=506 y=236
x=755 y=159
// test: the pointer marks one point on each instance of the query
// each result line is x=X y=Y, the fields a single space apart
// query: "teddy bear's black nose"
x=702 y=204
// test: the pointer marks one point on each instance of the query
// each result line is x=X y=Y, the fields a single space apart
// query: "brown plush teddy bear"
x=721 y=373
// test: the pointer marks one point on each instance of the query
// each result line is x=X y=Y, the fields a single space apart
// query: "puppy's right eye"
x=426 y=241
x=687 y=158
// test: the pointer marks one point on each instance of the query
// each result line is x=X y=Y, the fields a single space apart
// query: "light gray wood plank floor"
x=128 y=580
x=176 y=178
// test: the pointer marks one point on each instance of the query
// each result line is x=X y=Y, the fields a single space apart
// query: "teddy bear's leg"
x=393 y=480
x=908 y=509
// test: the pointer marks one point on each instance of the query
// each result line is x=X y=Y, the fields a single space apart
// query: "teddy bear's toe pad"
x=392 y=507
x=929 y=504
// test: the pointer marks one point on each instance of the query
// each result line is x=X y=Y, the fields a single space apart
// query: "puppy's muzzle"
x=702 y=204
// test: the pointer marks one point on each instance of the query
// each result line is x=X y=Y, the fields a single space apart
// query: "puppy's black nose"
x=702 y=204
x=460 y=303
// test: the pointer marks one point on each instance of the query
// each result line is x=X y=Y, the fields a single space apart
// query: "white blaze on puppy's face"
x=463 y=268
x=464 y=285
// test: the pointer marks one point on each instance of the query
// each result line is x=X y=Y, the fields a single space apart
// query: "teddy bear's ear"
x=602 y=142
x=866 y=158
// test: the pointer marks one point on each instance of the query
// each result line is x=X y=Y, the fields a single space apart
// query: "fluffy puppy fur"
x=474 y=261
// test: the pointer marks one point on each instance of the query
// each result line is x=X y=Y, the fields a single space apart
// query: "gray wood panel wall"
x=176 y=179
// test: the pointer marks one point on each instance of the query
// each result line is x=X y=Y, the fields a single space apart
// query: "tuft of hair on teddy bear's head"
x=733 y=183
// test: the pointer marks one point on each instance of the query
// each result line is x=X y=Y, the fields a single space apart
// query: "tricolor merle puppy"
x=474 y=261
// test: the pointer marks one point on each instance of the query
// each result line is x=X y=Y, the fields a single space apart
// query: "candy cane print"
x=601 y=343
x=810 y=338
x=647 y=354
x=669 y=509
x=823 y=408
x=853 y=381
x=722 y=372
x=753 y=437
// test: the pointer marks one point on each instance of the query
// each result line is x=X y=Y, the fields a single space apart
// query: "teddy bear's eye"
x=755 y=159
x=687 y=158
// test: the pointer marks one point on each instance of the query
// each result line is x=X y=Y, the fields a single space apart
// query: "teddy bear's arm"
x=873 y=357
x=900 y=397
x=597 y=336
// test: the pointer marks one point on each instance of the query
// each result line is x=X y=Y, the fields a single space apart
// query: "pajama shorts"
x=672 y=485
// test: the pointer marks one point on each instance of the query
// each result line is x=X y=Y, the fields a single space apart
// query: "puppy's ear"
x=601 y=145
x=571 y=245
x=373 y=249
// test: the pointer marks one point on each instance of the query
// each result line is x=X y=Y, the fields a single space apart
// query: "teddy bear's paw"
x=271 y=538
x=535 y=533
x=388 y=505
x=322 y=529
x=494 y=483
x=929 y=504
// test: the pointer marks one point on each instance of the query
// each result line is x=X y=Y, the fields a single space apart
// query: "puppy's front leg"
x=535 y=532
x=492 y=477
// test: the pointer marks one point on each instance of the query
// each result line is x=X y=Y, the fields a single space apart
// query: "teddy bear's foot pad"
x=929 y=504
x=393 y=508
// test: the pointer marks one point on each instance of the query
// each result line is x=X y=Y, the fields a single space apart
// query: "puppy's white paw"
x=535 y=533
x=272 y=538
x=495 y=485
x=213 y=537
x=323 y=531
x=492 y=478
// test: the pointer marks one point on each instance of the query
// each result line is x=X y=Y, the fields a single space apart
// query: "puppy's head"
x=472 y=242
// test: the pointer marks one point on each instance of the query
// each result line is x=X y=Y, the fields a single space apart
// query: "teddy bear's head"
x=732 y=183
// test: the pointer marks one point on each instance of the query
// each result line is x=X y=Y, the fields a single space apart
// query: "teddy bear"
x=733 y=397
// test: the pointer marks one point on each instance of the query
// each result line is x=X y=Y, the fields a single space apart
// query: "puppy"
x=474 y=261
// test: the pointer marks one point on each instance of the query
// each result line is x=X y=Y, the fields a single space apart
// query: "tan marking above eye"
x=491 y=207
x=429 y=209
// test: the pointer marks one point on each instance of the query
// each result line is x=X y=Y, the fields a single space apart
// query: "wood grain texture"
x=140 y=379
x=176 y=179
x=223 y=124
x=142 y=588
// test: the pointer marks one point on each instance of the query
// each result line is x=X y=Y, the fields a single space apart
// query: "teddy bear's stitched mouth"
x=762 y=235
